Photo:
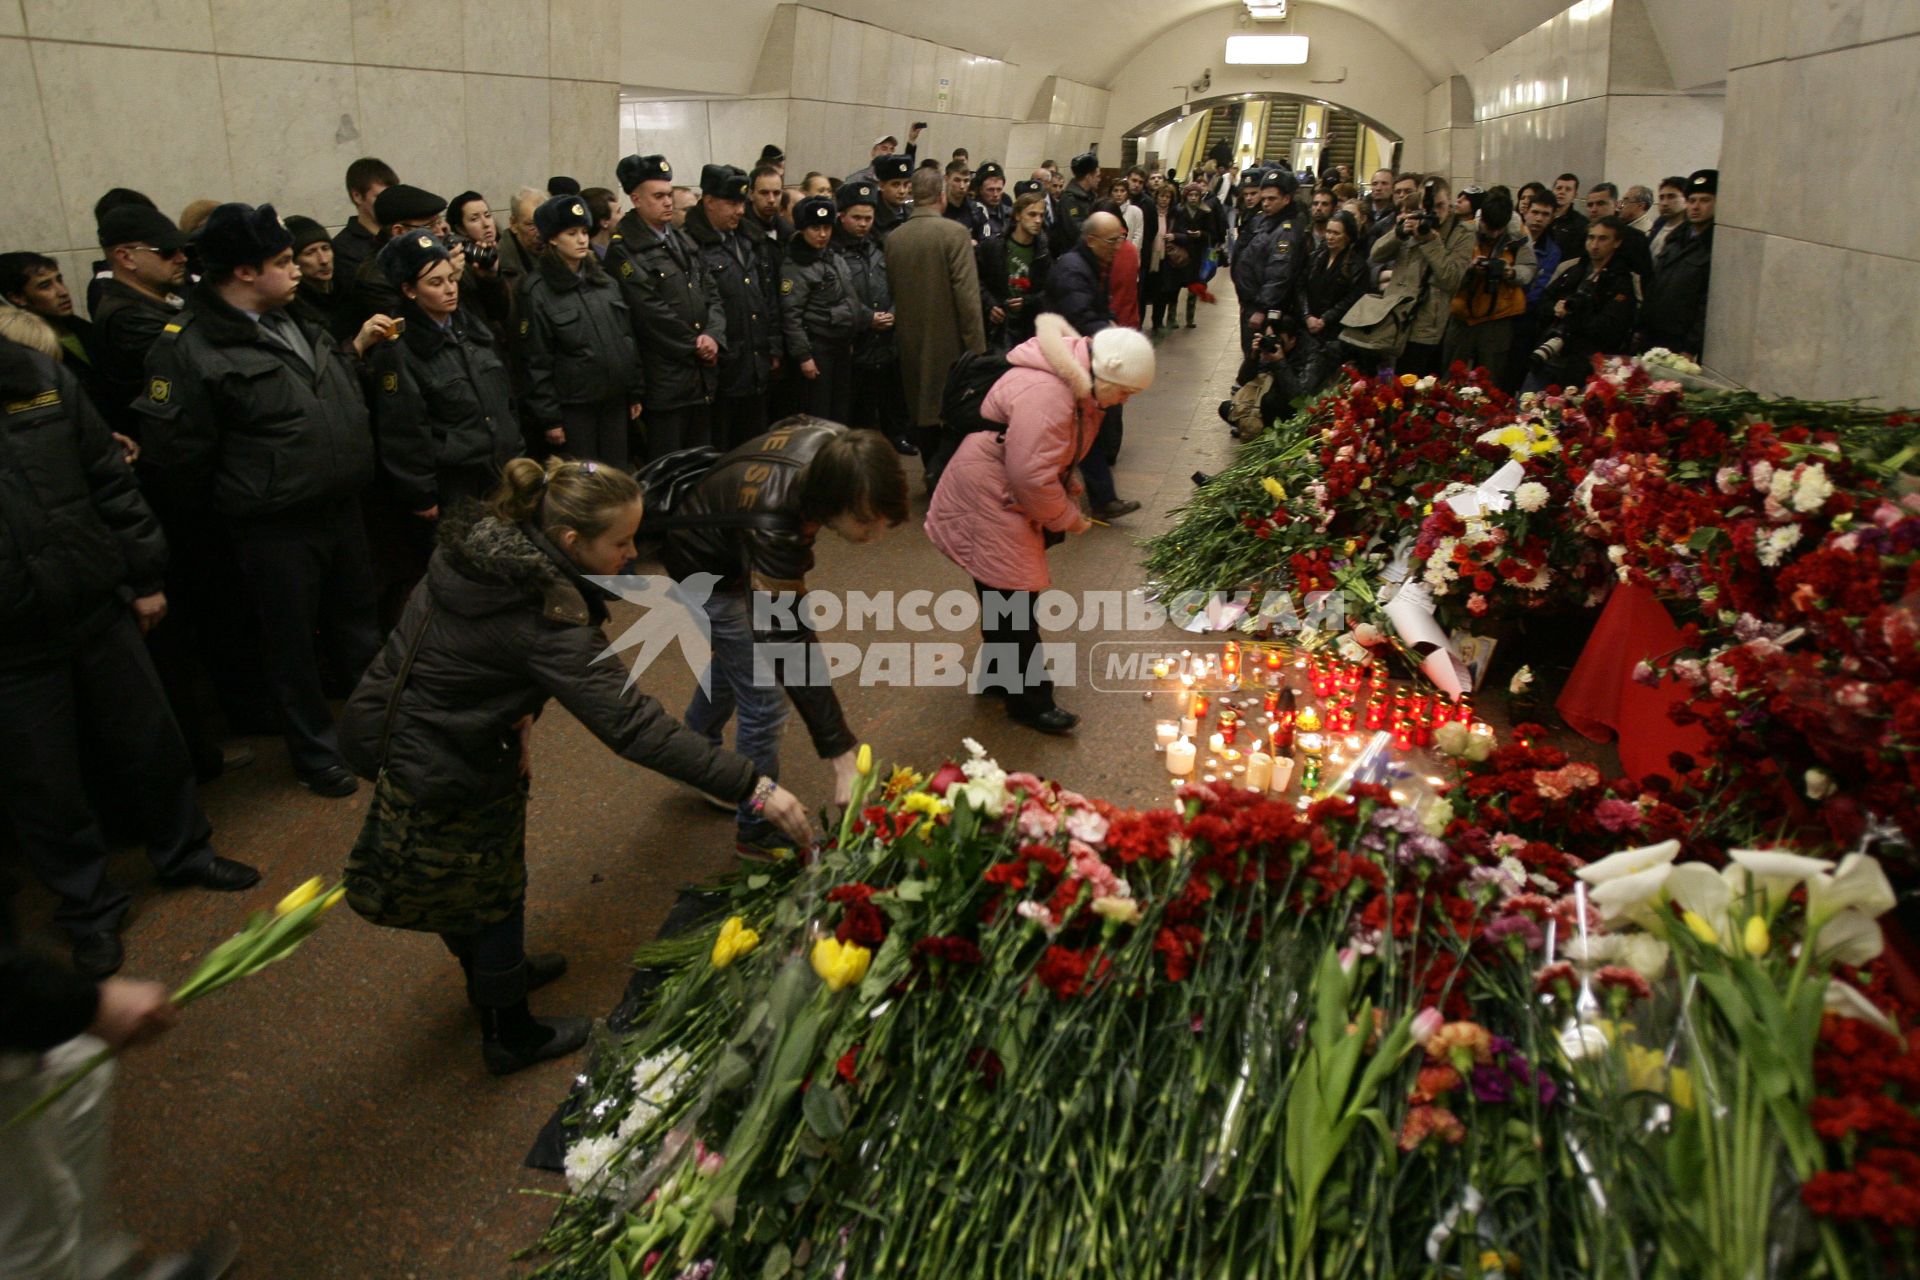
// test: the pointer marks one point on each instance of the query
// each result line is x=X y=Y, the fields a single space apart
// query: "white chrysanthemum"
x=1775 y=544
x=1531 y=496
x=1811 y=489
x=1780 y=487
x=657 y=1077
x=642 y=1114
x=587 y=1160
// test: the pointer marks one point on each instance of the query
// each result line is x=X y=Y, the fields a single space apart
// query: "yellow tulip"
x=1274 y=488
x=332 y=900
x=1680 y=1088
x=840 y=964
x=735 y=940
x=1698 y=926
x=298 y=898
x=1756 y=939
x=1646 y=1068
x=863 y=763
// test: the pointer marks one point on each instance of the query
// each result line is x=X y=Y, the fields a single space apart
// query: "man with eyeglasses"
x=147 y=254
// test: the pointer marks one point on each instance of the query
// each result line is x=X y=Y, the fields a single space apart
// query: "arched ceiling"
x=1090 y=40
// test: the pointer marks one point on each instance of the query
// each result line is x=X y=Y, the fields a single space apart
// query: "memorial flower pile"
x=999 y=1027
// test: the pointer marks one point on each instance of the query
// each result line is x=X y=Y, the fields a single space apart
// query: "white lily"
x=1645 y=954
x=1698 y=888
x=1634 y=896
x=1776 y=873
x=1845 y=999
x=1593 y=950
x=1630 y=861
x=1851 y=937
x=1857 y=884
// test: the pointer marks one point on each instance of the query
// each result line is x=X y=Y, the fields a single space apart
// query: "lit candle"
x=1160 y=668
x=1180 y=755
x=1164 y=734
x=1308 y=721
x=1259 y=770
x=1230 y=660
x=1282 y=774
x=1217 y=743
x=1199 y=706
x=1311 y=745
x=1189 y=726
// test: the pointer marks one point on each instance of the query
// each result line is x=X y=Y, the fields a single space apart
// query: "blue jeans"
x=731 y=690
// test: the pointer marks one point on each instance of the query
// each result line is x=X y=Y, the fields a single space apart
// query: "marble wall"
x=1590 y=91
x=826 y=86
x=269 y=100
x=1806 y=301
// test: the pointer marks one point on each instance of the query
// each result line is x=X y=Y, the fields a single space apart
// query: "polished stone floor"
x=333 y=1111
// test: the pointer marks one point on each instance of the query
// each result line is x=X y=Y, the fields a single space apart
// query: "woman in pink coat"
x=1008 y=495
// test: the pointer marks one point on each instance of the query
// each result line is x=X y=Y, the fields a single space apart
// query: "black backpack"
x=665 y=484
x=968 y=382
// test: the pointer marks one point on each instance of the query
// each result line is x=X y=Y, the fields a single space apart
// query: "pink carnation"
x=1617 y=815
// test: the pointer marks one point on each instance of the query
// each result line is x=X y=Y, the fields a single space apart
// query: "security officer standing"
x=1675 y=313
x=678 y=317
x=1276 y=259
x=1076 y=204
x=1252 y=242
x=879 y=400
x=819 y=311
x=259 y=417
x=148 y=256
x=992 y=211
x=895 y=177
x=751 y=296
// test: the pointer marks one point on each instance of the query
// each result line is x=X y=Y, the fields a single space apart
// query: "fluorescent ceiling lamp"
x=1267 y=10
x=1266 y=51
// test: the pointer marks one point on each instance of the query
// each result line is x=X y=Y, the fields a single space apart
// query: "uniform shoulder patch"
x=390 y=382
x=786 y=285
x=40 y=401
x=523 y=328
x=626 y=268
x=169 y=327
x=159 y=390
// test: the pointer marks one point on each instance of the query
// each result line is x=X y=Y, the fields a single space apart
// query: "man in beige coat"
x=936 y=299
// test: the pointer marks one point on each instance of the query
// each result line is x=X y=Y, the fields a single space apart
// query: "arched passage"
x=1300 y=131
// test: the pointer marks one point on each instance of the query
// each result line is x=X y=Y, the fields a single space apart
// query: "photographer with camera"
x=1494 y=291
x=1428 y=253
x=1588 y=310
x=1292 y=365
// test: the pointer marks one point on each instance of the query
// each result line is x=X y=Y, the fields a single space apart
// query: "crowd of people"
x=276 y=468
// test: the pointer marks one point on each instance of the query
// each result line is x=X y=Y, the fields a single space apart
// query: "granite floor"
x=334 y=1113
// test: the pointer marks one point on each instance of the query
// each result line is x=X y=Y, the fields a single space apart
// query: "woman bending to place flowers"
x=505 y=620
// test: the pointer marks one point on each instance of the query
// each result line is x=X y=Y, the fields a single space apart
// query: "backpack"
x=968 y=382
x=670 y=478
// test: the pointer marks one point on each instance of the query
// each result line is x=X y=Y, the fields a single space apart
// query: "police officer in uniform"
x=442 y=401
x=1076 y=204
x=678 y=316
x=879 y=398
x=751 y=297
x=581 y=369
x=148 y=257
x=258 y=416
x=367 y=292
x=894 y=174
x=992 y=210
x=820 y=312
x=1277 y=259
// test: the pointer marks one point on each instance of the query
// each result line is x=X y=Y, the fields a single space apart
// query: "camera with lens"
x=483 y=256
x=1549 y=351
x=1267 y=343
x=1491 y=269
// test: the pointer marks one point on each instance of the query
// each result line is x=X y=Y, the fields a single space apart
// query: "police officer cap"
x=1280 y=179
x=562 y=185
x=402 y=203
x=723 y=182
x=814 y=211
x=305 y=232
x=853 y=193
x=770 y=154
x=635 y=170
x=1027 y=187
x=561 y=213
x=240 y=235
x=1085 y=163
x=1250 y=178
x=131 y=223
x=403 y=258
x=1704 y=182
x=989 y=170
x=891 y=168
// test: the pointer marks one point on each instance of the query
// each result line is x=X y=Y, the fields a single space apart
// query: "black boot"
x=512 y=1038
x=545 y=968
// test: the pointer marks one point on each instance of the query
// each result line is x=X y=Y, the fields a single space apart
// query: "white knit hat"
x=1124 y=357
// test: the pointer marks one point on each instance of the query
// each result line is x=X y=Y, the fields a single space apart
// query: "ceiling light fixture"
x=1267 y=10
x=1266 y=51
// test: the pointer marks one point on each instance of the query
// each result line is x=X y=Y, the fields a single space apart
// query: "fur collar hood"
x=1056 y=348
x=488 y=566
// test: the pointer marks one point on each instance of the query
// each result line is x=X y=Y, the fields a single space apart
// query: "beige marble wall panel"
x=926 y=75
x=508 y=142
x=150 y=24
x=1026 y=148
x=807 y=136
x=82 y=86
x=737 y=130
x=900 y=54
x=391 y=33
x=1814 y=26
x=11 y=21
x=283 y=120
x=320 y=30
x=876 y=64
x=416 y=122
x=773 y=74
x=1871 y=96
x=1760 y=31
x=841 y=82
x=36 y=218
x=584 y=138
x=585 y=40
x=1733 y=315
x=812 y=49
x=674 y=129
x=507 y=37
x=1651 y=137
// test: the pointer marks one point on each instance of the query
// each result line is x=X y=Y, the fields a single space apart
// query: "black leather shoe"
x=223 y=875
x=544 y=968
x=1053 y=720
x=97 y=955
x=905 y=447
x=1117 y=508
x=334 y=782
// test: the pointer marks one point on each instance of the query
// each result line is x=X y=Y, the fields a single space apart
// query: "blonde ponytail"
x=563 y=494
